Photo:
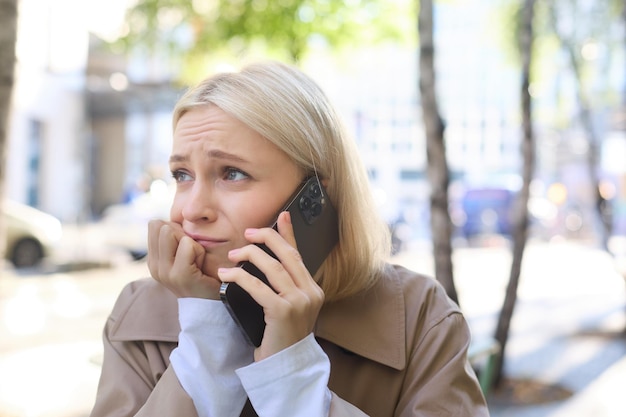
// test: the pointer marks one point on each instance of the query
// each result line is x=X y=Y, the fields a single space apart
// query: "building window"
x=35 y=132
x=411 y=174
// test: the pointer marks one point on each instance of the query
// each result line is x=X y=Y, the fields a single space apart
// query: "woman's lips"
x=207 y=242
x=210 y=244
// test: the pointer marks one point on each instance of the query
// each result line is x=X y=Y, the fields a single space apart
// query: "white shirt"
x=214 y=364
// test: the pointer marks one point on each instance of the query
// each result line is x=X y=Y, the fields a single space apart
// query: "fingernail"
x=233 y=252
x=223 y=271
x=250 y=232
x=288 y=217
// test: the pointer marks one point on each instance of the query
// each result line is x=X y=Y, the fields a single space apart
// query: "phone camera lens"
x=315 y=190
x=305 y=203
x=316 y=209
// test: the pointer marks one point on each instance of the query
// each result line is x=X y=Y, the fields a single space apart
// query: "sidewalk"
x=567 y=327
x=604 y=397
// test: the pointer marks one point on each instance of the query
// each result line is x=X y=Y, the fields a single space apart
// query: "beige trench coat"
x=399 y=350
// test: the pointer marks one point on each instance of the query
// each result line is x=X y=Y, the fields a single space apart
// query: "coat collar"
x=145 y=310
x=370 y=324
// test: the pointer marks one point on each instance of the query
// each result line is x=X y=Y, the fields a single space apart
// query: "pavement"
x=566 y=340
x=566 y=353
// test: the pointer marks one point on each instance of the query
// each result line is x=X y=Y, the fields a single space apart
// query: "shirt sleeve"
x=294 y=381
x=210 y=349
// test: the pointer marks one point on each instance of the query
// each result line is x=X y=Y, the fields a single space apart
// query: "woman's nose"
x=200 y=204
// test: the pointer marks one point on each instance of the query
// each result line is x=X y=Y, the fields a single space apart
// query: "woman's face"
x=229 y=178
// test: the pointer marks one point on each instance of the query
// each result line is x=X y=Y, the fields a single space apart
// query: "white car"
x=31 y=234
x=126 y=225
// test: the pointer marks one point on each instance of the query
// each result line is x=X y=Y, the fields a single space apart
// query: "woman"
x=360 y=338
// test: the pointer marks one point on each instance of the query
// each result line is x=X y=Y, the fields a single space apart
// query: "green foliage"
x=592 y=30
x=200 y=30
x=578 y=21
x=507 y=20
x=587 y=35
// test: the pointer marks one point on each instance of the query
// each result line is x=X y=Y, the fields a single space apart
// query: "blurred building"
x=86 y=126
x=478 y=96
x=90 y=127
x=129 y=108
x=47 y=156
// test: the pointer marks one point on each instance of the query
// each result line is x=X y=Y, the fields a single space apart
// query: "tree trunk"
x=599 y=202
x=438 y=176
x=8 y=34
x=520 y=222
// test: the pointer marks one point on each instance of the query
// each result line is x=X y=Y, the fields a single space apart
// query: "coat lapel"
x=371 y=324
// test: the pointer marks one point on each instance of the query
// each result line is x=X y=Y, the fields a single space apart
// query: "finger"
x=168 y=244
x=283 y=274
x=285 y=228
x=188 y=252
x=154 y=228
x=258 y=290
x=261 y=257
x=187 y=275
x=159 y=232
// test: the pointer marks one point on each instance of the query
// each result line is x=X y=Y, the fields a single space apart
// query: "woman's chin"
x=210 y=267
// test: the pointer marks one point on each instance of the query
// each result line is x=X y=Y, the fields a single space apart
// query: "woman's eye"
x=233 y=174
x=180 y=176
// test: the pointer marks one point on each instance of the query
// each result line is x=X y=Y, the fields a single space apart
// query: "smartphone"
x=316 y=230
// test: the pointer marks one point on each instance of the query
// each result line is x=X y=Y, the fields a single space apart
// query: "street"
x=51 y=338
x=565 y=328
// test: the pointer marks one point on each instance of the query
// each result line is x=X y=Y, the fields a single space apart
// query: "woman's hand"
x=292 y=309
x=175 y=260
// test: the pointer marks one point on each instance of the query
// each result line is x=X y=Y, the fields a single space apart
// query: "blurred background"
x=89 y=137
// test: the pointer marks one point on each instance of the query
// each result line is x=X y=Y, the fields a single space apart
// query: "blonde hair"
x=289 y=109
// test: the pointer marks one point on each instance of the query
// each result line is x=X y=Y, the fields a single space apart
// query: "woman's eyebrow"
x=212 y=154
x=178 y=158
x=219 y=154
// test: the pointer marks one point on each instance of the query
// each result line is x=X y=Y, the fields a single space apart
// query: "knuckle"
x=319 y=295
x=293 y=253
x=276 y=267
x=256 y=283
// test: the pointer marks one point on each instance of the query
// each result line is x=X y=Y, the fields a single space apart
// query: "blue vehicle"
x=487 y=211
